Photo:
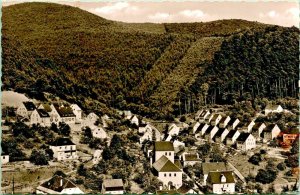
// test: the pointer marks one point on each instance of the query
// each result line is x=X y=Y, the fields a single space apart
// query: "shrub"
x=281 y=166
x=255 y=159
x=265 y=176
x=38 y=157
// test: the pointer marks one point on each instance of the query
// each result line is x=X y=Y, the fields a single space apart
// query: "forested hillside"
x=152 y=69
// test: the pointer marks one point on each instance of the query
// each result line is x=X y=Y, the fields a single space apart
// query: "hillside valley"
x=157 y=70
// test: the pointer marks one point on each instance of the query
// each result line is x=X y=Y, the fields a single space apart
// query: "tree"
x=64 y=129
x=281 y=166
x=295 y=147
x=265 y=176
x=82 y=171
x=255 y=159
x=38 y=157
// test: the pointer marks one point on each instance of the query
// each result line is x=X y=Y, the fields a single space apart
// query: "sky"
x=284 y=13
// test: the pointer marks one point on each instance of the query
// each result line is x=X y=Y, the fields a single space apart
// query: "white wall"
x=223 y=188
x=159 y=154
x=166 y=177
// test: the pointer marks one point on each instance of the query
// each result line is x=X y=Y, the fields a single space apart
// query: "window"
x=166 y=153
x=169 y=153
x=165 y=175
x=170 y=175
x=174 y=174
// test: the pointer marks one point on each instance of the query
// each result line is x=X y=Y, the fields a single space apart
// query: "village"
x=204 y=152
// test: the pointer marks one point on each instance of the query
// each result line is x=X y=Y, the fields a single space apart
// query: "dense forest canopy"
x=152 y=69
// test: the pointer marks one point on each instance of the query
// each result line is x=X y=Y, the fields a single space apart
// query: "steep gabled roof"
x=200 y=127
x=272 y=107
x=209 y=129
x=269 y=128
x=219 y=132
x=65 y=111
x=257 y=126
x=29 y=106
x=46 y=107
x=58 y=184
x=231 y=133
x=191 y=157
x=163 y=146
x=214 y=177
x=163 y=164
x=232 y=121
x=243 y=137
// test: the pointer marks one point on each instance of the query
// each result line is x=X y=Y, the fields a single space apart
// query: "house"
x=198 y=113
x=64 y=149
x=173 y=129
x=245 y=141
x=97 y=156
x=190 y=159
x=203 y=115
x=221 y=182
x=112 y=186
x=208 y=118
x=54 y=115
x=144 y=127
x=40 y=116
x=201 y=130
x=215 y=119
x=167 y=172
x=220 y=135
x=92 y=117
x=231 y=137
x=273 y=108
x=249 y=126
x=163 y=148
x=289 y=139
x=178 y=145
x=210 y=132
x=233 y=123
x=25 y=109
x=195 y=127
x=66 y=114
x=104 y=120
x=98 y=132
x=270 y=132
x=58 y=185
x=245 y=127
x=151 y=134
x=4 y=158
x=134 y=120
x=212 y=166
x=127 y=114
x=224 y=121
x=78 y=113
x=257 y=130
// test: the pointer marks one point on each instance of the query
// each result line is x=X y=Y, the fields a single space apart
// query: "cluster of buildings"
x=214 y=127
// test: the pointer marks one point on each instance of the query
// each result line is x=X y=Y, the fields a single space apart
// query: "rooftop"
x=58 y=183
x=163 y=164
x=214 y=177
x=62 y=142
x=29 y=106
x=43 y=113
x=163 y=146
x=231 y=133
x=213 y=166
x=243 y=137
x=110 y=183
x=191 y=157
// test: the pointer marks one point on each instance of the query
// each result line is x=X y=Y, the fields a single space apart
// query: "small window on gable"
x=169 y=153
x=174 y=174
x=166 y=153
x=165 y=175
x=170 y=175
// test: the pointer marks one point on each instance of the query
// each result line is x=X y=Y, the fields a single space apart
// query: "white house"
x=97 y=156
x=221 y=182
x=212 y=166
x=25 y=109
x=190 y=159
x=273 y=108
x=173 y=129
x=224 y=121
x=178 y=144
x=195 y=127
x=64 y=149
x=78 y=112
x=151 y=134
x=257 y=130
x=204 y=115
x=54 y=115
x=92 y=117
x=231 y=137
x=209 y=118
x=40 y=116
x=210 y=132
x=220 y=135
x=134 y=120
x=58 y=185
x=66 y=114
x=270 y=132
x=98 y=132
x=167 y=172
x=112 y=186
x=144 y=127
x=245 y=141
x=233 y=123
x=4 y=158
x=215 y=119
x=198 y=113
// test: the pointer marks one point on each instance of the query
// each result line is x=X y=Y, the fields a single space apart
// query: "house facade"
x=257 y=130
x=4 y=159
x=220 y=135
x=164 y=148
x=221 y=182
x=232 y=124
x=231 y=137
x=40 y=116
x=78 y=113
x=25 y=109
x=270 y=132
x=245 y=141
x=98 y=132
x=64 y=149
